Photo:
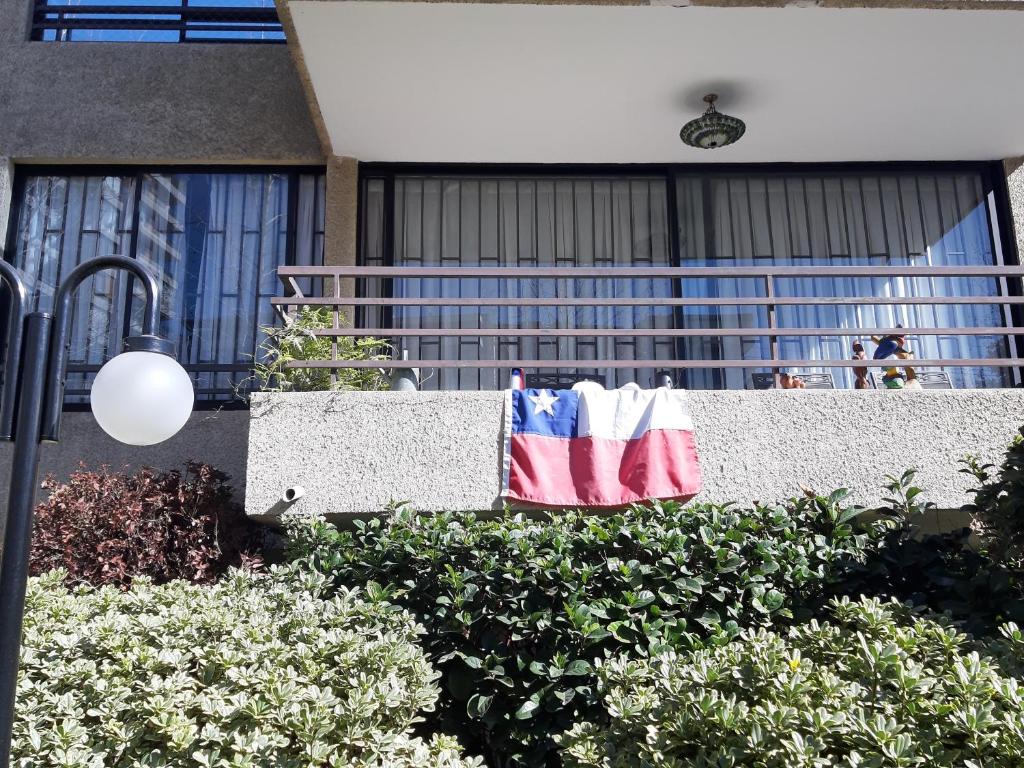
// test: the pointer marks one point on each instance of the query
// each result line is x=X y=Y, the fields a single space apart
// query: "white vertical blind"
x=557 y=221
x=920 y=219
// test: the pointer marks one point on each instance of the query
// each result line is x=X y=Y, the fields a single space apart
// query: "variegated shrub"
x=876 y=687
x=255 y=670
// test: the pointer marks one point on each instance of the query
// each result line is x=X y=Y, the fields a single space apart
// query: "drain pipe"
x=293 y=494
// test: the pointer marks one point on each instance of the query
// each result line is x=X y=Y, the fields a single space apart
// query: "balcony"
x=354 y=452
x=493 y=314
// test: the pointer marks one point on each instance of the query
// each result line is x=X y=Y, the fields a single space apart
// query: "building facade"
x=219 y=147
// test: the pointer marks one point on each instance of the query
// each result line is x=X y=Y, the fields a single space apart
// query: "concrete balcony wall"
x=354 y=452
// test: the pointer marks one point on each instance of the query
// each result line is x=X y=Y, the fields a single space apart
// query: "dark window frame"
x=137 y=172
x=59 y=22
x=991 y=172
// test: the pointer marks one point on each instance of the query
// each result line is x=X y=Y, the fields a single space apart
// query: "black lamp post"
x=140 y=397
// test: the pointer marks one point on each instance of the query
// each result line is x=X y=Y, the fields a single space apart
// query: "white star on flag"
x=543 y=402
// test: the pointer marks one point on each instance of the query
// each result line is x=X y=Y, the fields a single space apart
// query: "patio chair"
x=811 y=380
x=928 y=379
x=561 y=380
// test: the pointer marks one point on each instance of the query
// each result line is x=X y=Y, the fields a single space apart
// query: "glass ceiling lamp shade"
x=712 y=129
x=142 y=396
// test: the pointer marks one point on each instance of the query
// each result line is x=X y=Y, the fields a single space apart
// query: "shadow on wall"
x=218 y=438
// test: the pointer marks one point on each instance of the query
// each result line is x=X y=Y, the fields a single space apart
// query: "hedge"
x=876 y=686
x=518 y=611
x=254 y=671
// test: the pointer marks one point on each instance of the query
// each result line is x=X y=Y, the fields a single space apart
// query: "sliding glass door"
x=509 y=221
x=839 y=219
x=928 y=215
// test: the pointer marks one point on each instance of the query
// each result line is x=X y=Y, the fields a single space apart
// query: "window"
x=215 y=239
x=664 y=216
x=831 y=219
x=157 y=21
x=562 y=221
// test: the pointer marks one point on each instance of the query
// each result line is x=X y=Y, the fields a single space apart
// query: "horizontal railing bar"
x=656 y=332
x=659 y=364
x=808 y=272
x=190 y=367
x=155 y=25
x=208 y=12
x=753 y=301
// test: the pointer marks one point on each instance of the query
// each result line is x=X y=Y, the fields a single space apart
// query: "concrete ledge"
x=354 y=452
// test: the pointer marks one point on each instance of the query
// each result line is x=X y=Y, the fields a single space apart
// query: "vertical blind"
x=884 y=218
x=215 y=240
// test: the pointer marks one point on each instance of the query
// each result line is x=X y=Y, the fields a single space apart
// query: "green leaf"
x=579 y=667
x=525 y=712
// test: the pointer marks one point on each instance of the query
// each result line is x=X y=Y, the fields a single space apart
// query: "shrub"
x=517 y=611
x=254 y=671
x=297 y=340
x=943 y=573
x=107 y=528
x=998 y=507
x=876 y=687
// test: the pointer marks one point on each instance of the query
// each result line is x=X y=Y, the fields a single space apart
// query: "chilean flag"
x=598 y=448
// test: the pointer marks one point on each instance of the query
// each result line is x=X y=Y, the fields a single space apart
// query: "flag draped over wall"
x=598 y=448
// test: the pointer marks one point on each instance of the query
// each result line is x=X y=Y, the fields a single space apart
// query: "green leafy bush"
x=998 y=507
x=253 y=671
x=297 y=340
x=517 y=611
x=875 y=687
x=941 y=572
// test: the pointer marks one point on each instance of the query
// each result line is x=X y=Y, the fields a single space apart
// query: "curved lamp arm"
x=12 y=351
x=60 y=348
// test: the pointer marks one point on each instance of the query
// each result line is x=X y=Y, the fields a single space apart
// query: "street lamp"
x=140 y=397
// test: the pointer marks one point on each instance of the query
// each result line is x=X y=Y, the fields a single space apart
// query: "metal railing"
x=160 y=23
x=337 y=282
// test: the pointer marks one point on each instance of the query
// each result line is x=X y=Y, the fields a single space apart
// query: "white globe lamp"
x=142 y=396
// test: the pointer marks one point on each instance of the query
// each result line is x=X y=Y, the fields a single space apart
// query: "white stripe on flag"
x=625 y=414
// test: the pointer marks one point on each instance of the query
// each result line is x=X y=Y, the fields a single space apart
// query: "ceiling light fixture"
x=712 y=129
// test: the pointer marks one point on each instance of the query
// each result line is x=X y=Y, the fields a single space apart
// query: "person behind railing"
x=788 y=381
x=889 y=347
x=860 y=374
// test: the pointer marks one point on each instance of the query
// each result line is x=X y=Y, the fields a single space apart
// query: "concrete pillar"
x=340 y=242
x=6 y=195
x=1014 y=168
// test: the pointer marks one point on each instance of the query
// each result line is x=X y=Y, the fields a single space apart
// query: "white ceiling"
x=458 y=82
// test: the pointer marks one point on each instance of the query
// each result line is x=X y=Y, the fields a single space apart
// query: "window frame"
x=137 y=172
x=223 y=20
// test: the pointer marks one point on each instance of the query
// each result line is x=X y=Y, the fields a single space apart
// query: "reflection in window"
x=215 y=239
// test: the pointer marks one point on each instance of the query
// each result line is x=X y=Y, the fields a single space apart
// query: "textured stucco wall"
x=353 y=452
x=148 y=103
x=219 y=438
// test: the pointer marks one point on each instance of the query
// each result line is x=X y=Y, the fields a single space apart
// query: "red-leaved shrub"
x=107 y=528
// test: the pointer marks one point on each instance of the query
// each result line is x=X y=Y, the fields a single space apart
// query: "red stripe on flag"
x=598 y=472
